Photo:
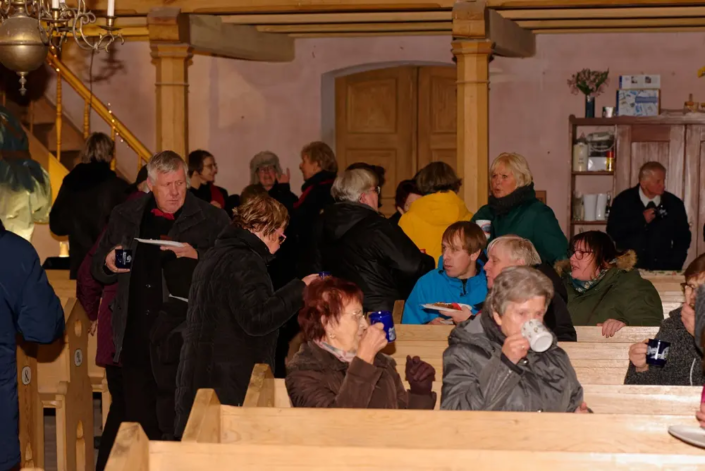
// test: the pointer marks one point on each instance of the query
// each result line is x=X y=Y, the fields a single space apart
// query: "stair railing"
x=91 y=102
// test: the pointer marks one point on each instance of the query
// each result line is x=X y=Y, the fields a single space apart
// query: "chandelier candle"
x=111 y=7
x=55 y=4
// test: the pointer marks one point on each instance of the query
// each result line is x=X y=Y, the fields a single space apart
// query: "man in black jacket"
x=171 y=212
x=651 y=221
x=358 y=244
x=511 y=251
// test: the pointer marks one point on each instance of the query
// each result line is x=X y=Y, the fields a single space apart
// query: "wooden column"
x=169 y=41
x=473 y=116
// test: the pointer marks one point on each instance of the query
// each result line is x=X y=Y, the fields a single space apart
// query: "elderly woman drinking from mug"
x=683 y=366
x=604 y=289
x=500 y=369
x=340 y=365
x=514 y=209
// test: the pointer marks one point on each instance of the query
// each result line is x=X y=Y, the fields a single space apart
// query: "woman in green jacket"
x=604 y=289
x=514 y=209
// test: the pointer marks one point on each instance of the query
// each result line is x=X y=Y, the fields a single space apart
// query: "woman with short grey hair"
x=354 y=242
x=499 y=369
x=265 y=170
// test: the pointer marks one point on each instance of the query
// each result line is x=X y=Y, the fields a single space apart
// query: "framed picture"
x=541 y=196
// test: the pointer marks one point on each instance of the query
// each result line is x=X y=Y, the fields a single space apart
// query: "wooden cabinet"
x=674 y=141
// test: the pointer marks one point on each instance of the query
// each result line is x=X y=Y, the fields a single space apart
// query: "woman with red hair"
x=341 y=364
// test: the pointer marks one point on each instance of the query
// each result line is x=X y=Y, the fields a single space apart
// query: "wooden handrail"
x=116 y=125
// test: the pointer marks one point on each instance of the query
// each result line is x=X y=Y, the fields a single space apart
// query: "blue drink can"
x=323 y=274
x=385 y=318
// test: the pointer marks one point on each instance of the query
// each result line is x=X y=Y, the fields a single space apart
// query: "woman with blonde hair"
x=234 y=314
x=440 y=206
x=514 y=209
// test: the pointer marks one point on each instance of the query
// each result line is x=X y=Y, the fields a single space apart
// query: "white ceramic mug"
x=537 y=334
x=590 y=205
x=486 y=226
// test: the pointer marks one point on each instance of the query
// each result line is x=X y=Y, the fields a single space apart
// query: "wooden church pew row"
x=63 y=384
x=211 y=422
x=31 y=426
x=440 y=333
x=266 y=391
x=66 y=289
x=134 y=452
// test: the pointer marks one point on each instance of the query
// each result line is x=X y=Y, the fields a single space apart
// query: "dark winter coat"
x=81 y=210
x=232 y=322
x=531 y=219
x=477 y=375
x=622 y=295
x=282 y=193
x=315 y=196
x=557 y=317
x=660 y=245
x=28 y=307
x=316 y=378
x=198 y=225
x=684 y=366
x=358 y=244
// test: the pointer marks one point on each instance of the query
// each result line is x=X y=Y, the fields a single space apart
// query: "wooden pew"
x=134 y=452
x=266 y=391
x=211 y=422
x=63 y=384
x=31 y=426
x=66 y=289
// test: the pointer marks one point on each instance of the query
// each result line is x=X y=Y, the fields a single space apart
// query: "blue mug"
x=323 y=274
x=123 y=258
x=384 y=318
x=657 y=352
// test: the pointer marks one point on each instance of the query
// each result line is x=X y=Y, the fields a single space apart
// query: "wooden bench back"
x=266 y=391
x=134 y=452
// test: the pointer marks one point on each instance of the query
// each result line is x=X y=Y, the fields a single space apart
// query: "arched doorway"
x=400 y=118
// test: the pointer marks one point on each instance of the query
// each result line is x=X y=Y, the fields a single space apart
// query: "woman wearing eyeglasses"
x=354 y=242
x=683 y=367
x=202 y=170
x=603 y=287
x=234 y=314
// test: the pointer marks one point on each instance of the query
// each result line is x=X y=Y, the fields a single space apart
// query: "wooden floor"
x=50 y=433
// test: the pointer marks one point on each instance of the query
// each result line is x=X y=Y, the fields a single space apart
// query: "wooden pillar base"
x=473 y=116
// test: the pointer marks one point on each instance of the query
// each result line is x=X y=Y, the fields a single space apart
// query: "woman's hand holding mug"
x=373 y=340
x=637 y=355
x=515 y=347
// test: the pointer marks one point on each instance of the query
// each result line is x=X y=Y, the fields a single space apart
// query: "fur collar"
x=624 y=262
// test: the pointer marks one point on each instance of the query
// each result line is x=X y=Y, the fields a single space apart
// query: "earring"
x=331 y=336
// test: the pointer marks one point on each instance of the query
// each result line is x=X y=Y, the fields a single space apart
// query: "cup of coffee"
x=384 y=318
x=537 y=334
x=657 y=352
x=123 y=258
x=486 y=226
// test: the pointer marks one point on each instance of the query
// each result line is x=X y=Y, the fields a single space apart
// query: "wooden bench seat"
x=266 y=391
x=134 y=452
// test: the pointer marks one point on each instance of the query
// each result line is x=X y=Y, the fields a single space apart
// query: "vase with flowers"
x=590 y=83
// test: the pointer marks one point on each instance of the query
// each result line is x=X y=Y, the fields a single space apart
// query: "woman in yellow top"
x=429 y=216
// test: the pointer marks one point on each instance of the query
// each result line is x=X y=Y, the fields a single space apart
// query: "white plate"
x=691 y=434
x=169 y=243
x=444 y=309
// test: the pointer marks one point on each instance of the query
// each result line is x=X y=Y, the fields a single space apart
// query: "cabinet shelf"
x=596 y=173
x=588 y=223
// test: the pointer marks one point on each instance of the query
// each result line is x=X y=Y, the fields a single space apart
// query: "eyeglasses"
x=212 y=166
x=265 y=169
x=579 y=254
x=378 y=190
x=282 y=238
x=687 y=286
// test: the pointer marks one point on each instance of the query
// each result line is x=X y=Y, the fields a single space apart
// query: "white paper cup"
x=486 y=226
x=537 y=334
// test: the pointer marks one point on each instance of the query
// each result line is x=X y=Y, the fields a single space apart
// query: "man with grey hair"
x=355 y=242
x=513 y=251
x=169 y=212
x=651 y=221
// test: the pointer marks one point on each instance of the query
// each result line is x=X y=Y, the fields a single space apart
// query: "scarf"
x=216 y=195
x=161 y=214
x=345 y=357
x=503 y=205
x=581 y=286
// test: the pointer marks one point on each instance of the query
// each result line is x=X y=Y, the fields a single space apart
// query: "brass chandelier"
x=29 y=27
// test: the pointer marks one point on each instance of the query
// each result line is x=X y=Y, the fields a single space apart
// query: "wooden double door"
x=678 y=144
x=400 y=118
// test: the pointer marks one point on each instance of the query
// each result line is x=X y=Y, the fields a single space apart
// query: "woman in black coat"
x=234 y=313
x=87 y=196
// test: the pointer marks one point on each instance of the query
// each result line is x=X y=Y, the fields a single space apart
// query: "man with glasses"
x=651 y=221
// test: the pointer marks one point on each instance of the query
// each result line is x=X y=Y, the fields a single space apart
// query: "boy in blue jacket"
x=28 y=306
x=460 y=278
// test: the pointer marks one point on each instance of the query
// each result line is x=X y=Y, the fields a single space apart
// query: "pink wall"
x=239 y=108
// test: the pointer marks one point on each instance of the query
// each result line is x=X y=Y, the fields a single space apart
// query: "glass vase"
x=589 y=106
